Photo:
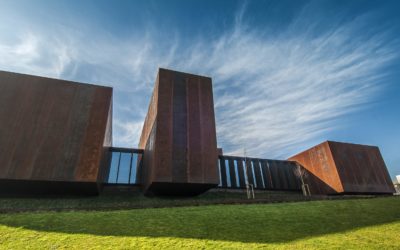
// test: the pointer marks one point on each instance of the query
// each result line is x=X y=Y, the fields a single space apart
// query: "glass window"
x=133 y=168
x=245 y=173
x=236 y=173
x=124 y=166
x=112 y=177
x=262 y=175
x=254 y=174
x=228 y=176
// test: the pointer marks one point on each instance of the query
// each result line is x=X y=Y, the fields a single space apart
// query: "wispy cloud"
x=273 y=92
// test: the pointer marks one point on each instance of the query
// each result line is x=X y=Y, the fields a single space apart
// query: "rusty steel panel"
x=319 y=162
x=361 y=168
x=180 y=124
x=52 y=130
x=336 y=167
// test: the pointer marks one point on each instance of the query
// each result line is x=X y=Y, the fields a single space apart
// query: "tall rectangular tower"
x=179 y=136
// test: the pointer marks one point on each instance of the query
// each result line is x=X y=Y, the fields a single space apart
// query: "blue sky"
x=286 y=74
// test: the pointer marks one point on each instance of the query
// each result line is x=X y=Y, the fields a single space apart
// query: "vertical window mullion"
x=130 y=169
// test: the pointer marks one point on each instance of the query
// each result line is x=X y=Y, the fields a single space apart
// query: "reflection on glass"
x=236 y=173
x=228 y=176
x=245 y=173
x=124 y=166
x=262 y=175
x=134 y=168
x=112 y=178
x=254 y=175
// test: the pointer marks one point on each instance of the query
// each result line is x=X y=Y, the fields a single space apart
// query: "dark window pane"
x=254 y=174
x=262 y=176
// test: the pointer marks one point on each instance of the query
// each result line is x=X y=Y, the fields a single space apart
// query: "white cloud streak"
x=273 y=93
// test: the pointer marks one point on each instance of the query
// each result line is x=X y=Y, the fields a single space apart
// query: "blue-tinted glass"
x=236 y=173
x=228 y=176
x=112 y=177
x=254 y=175
x=123 y=174
x=262 y=176
x=245 y=173
x=134 y=168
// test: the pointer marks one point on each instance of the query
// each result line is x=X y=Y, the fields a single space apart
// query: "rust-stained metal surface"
x=361 y=168
x=53 y=130
x=335 y=167
x=178 y=136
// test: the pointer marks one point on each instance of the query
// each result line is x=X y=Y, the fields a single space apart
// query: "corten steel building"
x=337 y=168
x=55 y=137
x=178 y=136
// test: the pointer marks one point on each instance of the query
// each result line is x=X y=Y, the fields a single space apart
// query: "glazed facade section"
x=263 y=174
x=335 y=167
x=179 y=137
x=54 y=134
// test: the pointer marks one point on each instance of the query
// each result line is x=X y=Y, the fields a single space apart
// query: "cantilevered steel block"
x=336 y=167
x=54 y=135
x=179 y=136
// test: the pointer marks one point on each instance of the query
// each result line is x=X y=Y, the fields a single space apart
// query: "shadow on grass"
x=242 y=223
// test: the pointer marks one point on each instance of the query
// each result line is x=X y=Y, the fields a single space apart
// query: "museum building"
x=56 y=138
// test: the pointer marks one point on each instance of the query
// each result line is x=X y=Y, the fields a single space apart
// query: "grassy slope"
x=135 y=200
x=372 y=223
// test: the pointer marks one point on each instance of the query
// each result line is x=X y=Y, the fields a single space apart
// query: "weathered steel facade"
x=54 y=134
x=56 y=137
x=179 y=136
x=335 y=167
x=263 y=174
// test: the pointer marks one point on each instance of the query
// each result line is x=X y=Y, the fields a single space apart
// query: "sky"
x=286 y=75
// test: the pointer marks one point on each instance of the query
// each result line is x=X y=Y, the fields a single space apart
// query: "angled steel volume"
x=179 y=137
x=54 y=135
x=336 y=167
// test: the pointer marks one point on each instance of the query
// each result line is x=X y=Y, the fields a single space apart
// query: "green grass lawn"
x=136 y=199
x=360 y=224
